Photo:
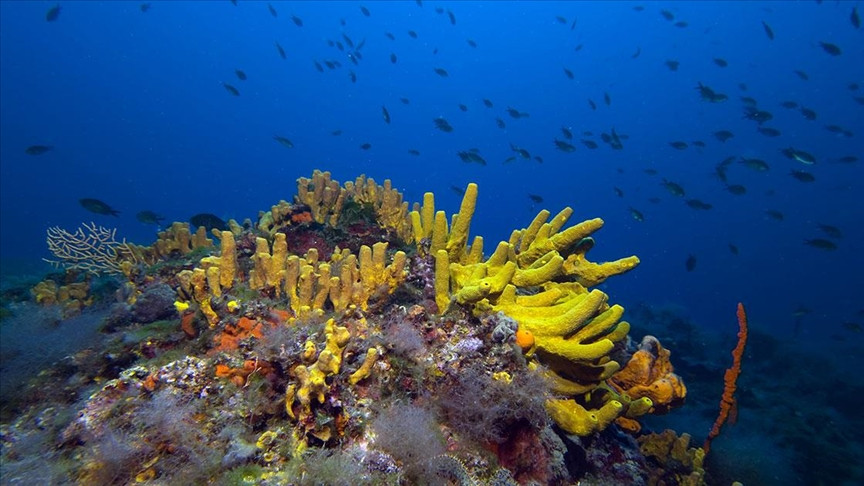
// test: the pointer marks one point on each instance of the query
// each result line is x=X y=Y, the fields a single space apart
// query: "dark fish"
x=471 y=42
x=487 y=103
x=723 y=135
x=319 y=67
x=568 y=73
x=802 y=176
x=757 y=115
x=639 y=8
x=442 y=124
x=405 y=101
x=281 y=51
x=514 y=113
x=352 y=76
x=649 y=171
x=144 y=7
x=672 y=64
x=578 y=48
x=231 y=89
x=758 y=165
x=297 y=21
x=799 y=155
x=690 y=263
x=53 y=13
x=636 y=214
x=390 y=36
x=509 y=159
x=681 y=24
x=720 y=62
x=208 y=221
x=441 y=72
x=534 y=197
x=366 y=146
x=591 y=144
x=831 y=231
x=768 y=131
x=618 y=191
x=98 y=207
x=538 y=159
x=852 y=326
x=673 y=188
x=520 y=151
x=678 y=145
x=149 y=217
x=736 y=189
x=462 y=107
x=283 y=141
x=240 y=74
x=500 y=123
x=471 y=156
x=835 y=129
x=348 y=41
x=710 y=95
x=831 y=48
x=821 y=244
x=667 y=15
x=607 y=99
x=774 y=214
x=560 y=19
x=808 y=113
x=801 y=311
x=451 y=17
x=457 y=190
x=849 y=159
x=637 y=53
x=854 y=18
x=414 y=152
x=592 y=104
x=733 y=249
x=801 y=74
x=385 y=114
x=336 y=133
x=412 y=34
x=751 y=102
x=272 y=10
x=340 y=46
x=654 y=200
x=697 y=204
x=38 y=149
x=789 y=104
x=768 y=30
x=364 y=11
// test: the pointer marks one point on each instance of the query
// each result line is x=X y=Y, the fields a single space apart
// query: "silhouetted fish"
x=38 y=149
x=723 y=135
x=240 y=74
x=208 y=221
x=366 y=146
x=534 y=197
x=53 y=13
x=149 y=217
x=98 y=207
x=768 y=30
x=231 y=89
x=487 y=103
x=697 y=204
x=283 y=141
x=365 y=11
x=672 y=64
x=442 y=124
x=690 y=263
x=281 y=51
x=802 y=176
x=830 y=48
x=831 y=231
x=272 y=10
x=385 y=114
x=720 y=62
x=854 y=18
x=821 y=244
x=297 y=21
x=442 y=72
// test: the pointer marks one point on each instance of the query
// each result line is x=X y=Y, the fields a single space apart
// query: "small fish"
x=535 y=198
x=591 y=144
x=297 y=21
x=412 y=34
x=281 y=51
x=144 y=7
x=697 y=204
x=471 y=42
x=487 y=103
x=802 y=176
x=710 y=95
x=98 y=207
x=568 y=73
x=451 y=17
x=618 y=191
x=830 y=48
x=471 y=156
x=149 y=217
x=52 y=13
x=831 y=231
x=500 y=123
x=457 y=190
x=385 y=114
x=592 y=104
x=774 y=214
x=808 y=113
x=560 y=19
x=567 y=133
x=231 y=89
x=283 y=141
x=348 y=41
x=607 y=99
x=721 y=62
x=723 y=135
x=405 y=101
x=520 y=151
x=852 y=326
x=650 y=172
x=805 y=158
x=577 y=48
x=463 y=107
x=768 y=131
x=681 y=24
x=678 y=145
x=835 y=129
x=366 y=146
x=336 y=133
x=564 y=146
x=414 y=152
x=757 y=115
x=789 y=104
x=636 y=214
x=390 y=36
x=690 y=263
x=352 y=76
x=736 y=189
x=319 y=67
x=637 y=53
x=673 y=188
x=801 y=311
x=240 y=74
x=442 y=72
x=509 y=159
x=667 y=15
x=733 y=249
x=442 y=124
x=538 y=159
x=821 y=244
x=758 y=165
x=802 y=75
x=768 y=30
x=672 y=64
x=854 y=18
x=38 y=149
x=272 y=10
x=364 y=11
x=848 y=159
x=751 y=102
x=516 y=114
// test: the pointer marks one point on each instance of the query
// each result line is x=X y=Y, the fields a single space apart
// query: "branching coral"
x=93 y=249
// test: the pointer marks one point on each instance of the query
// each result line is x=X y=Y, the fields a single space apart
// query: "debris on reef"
x=349 y=337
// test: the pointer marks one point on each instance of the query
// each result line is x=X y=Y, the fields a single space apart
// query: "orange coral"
x=231 y=336
x=728 y=405
x=649 y=373
x=239 y=376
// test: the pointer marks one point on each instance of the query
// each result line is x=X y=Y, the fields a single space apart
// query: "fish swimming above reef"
x=52 y=13
x=768 y=30
x=366 y=146
x=98 y=207
x=636 y=214
x=149 y=217
x=442 y=72
x=535 y=198
x=281 y=51
x=144 y=7
x=757 y=115
x=231 y=89
x=854 y=18
x=385 y=114
x=723 y=135
x=674 y=188
x=414 y=152
x=208 y=221
x=736 y=189
x=514 y=113
x=798 y=155
x=808 y=113
x=690 y=263
x=569 y=73
x=758 y=165
x=710 y=95
x=297 y=21
x=697 y=204
x=678 y=145
x=733 y=249
x=471 y=156
x=831 y=231
x=283 y=141
x=830 y=48
x=520 y=151
x=802 y=75
x=591 y=144
x=821 y=244
x=38 y=149
x=442 y=124
x=488 y=103
x=564 y=146
x=802 y=176
x=272 y=10
x=567 y=133
x=721 y=62
x=672 y=64
x=240 y=74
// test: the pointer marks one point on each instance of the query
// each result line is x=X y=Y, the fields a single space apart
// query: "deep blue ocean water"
x=135 y=108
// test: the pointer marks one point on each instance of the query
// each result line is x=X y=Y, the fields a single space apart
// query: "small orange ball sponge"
x=524 y=339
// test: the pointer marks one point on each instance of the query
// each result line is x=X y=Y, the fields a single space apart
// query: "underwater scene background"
x=720 y=143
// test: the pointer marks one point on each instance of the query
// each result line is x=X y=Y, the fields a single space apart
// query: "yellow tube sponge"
x=366 y=368
x=227 y=260
x=442 y=281
x=459 y=229
x=575 y=419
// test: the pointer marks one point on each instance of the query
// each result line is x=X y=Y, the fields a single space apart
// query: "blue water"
x=134 y=106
